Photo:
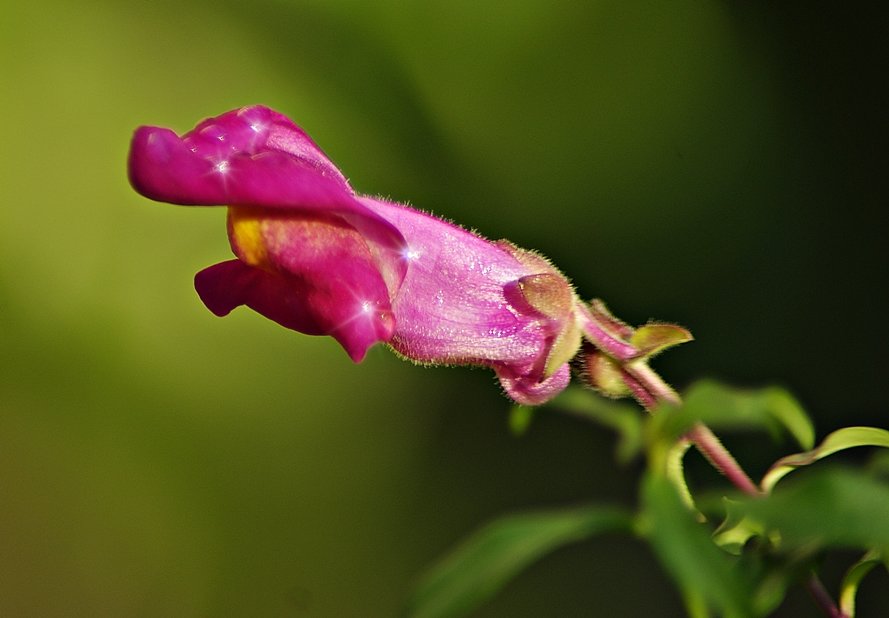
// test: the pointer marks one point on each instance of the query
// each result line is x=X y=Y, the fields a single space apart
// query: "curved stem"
x=721 y=459
x=655 y=390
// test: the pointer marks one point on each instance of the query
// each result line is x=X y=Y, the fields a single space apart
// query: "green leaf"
x=695 y=604
x=624 y=418
x=771 y=587
x=736 y=529
x=878 y=466
x=705 y=574
x=852 y=580
x=827 y=508
x=741 y=535
x=675 y=472
x=723 y=407
x=484 y=563
x=848 y=437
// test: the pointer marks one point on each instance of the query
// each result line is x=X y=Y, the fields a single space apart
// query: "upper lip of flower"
x=251 y=157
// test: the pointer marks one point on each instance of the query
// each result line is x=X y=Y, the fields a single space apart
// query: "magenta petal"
x=226 y=285
x=167 y=168
x=528 y=390
x=256 y=157
x=296 y=304
x=215 y=163
x=256 y=129
x=451 y=306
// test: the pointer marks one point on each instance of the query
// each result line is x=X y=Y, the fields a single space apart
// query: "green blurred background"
x=721 y=164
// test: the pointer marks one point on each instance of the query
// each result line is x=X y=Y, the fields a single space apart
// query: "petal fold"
x=528 y=390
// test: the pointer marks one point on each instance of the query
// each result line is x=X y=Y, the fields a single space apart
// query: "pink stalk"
x=822 y=598
x=701 y=435
x=604 y=338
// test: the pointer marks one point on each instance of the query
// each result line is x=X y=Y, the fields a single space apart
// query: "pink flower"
x=319 y=259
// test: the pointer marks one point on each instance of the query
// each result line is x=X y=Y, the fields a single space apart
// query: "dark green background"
x=718 y=164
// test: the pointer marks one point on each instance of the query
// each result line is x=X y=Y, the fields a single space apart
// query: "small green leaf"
x=852 y=580
x=623 y=418
x=841 y=439
x=654 y=338
x=704 y=573
x=736 y=529
x=520 y=418
x=484 y=563
x=769 y=575
x=723 y=407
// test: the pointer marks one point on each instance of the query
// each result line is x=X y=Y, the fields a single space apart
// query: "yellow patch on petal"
x=246 y=236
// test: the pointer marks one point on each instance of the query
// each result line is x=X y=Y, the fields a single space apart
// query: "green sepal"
x=604 y=374
x=654 y=338
x=564 y=348
x=548 y=293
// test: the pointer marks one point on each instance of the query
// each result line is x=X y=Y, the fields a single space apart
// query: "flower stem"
x=648 y=388
x=721 y=459
x=605 y=335
x=654 y=390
